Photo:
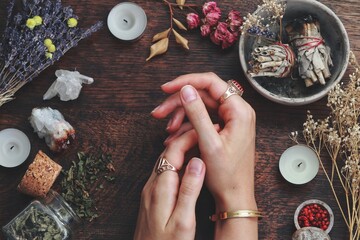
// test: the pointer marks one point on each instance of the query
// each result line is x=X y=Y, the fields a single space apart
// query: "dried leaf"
x=180 y=3
x=179 y=24
x=158 y=48
x=181 y=40
x=161 y=35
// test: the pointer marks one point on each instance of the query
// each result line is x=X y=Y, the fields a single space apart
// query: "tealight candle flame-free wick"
x=125 y=20
x=11 y=148
x=299 y=164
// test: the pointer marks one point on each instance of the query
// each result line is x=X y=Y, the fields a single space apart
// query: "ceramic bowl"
x=294 y=92
x=318 y=202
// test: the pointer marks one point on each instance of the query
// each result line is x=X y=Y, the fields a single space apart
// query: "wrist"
x=236 y=200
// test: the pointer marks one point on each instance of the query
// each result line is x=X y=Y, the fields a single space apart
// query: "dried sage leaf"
x=158 y=48
x=181 y=40
x=180 y=3
x=179 y=24
x=79 y=179
x=161 y=35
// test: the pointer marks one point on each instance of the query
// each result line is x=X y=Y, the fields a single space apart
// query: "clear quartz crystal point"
x=67 y=85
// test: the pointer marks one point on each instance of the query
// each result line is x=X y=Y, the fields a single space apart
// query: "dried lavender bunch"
x=267 y=17
x=339 y=135
x=33 y=39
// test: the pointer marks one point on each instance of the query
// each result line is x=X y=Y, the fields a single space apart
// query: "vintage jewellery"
x=233 y=88
x=235 y=214
x=164 y=165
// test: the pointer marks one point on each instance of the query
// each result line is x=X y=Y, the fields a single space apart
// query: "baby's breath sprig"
x=339 y=135
x=34 y=39
x=269 y=14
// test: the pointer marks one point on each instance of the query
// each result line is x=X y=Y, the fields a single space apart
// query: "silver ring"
x=233 y=88
x=163 y=165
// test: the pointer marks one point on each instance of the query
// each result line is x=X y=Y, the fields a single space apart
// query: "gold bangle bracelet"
x=236 y=214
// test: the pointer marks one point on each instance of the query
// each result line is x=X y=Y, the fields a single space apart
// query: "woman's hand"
x=229 y=154
x=167 y=209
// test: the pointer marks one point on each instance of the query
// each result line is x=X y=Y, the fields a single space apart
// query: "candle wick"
x=11 y=148
x=299 y=164
x=125 y=20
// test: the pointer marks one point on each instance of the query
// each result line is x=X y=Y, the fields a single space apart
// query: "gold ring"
x=163 y=165
x=233 y=88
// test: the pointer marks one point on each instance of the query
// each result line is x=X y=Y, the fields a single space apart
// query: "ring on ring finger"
x=163 y=165
x=233 y=87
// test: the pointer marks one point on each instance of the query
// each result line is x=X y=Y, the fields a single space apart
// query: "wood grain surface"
x=114 y=113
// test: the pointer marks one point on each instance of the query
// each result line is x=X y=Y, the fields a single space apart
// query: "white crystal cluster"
x=50 y=124
x=67 y=85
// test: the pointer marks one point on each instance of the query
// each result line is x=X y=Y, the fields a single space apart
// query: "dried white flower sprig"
x=270 y=13
x=339 y=135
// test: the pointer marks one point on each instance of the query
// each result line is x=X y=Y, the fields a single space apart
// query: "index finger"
x=207 y=81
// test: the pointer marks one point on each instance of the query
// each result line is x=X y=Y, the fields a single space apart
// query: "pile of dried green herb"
x=80 y=178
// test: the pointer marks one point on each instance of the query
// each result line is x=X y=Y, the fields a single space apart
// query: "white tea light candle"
x=299 y=164
x=14 y=147
x=127 y=21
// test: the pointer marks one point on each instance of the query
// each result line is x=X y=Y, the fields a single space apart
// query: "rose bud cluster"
x=224 y=33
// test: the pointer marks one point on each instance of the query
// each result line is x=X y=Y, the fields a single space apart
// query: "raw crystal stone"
x=50 y=124
x=67 y=85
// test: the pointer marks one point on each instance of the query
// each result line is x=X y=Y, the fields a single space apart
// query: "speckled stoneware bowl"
x=294 y=92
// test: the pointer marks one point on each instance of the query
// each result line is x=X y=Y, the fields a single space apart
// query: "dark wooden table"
x=114 y=113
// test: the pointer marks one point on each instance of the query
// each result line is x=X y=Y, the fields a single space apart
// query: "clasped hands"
x=226 y=161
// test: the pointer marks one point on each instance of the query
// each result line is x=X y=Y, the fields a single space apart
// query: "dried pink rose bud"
x=210 y=7
x=229 y=40
x=193 y=20
x=205 y=30
x=235 y=20
x=223 y=36
x=213 y=18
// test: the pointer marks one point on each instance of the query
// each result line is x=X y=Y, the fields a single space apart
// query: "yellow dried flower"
x=52 y=48
x=38 y=20
x=48 y=42
x=72 y=22
x=48 y=55
x=30 y=23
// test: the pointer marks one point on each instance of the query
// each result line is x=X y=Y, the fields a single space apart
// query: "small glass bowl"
x=323 y=205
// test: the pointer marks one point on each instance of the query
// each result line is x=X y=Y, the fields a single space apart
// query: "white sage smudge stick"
x=313 y=55
x=272 y=61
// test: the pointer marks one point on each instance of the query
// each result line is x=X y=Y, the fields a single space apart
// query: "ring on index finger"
x=163 y=165
x=233 y=88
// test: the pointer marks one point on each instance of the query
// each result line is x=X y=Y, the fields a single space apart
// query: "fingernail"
x=155 y=109
x=165 y=84
x=167 y=140
x=195 y=166
x=169 y=124
x=188 y=93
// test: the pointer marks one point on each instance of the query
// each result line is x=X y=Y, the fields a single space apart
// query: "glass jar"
x=48 y=218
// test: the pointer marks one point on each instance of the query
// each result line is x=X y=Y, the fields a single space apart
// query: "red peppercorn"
x=314 y=215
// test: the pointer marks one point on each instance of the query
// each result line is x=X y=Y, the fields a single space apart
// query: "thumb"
x=189 y=191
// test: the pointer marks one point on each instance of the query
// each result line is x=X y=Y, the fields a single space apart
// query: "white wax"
x=14 y=147
x=127 y=21
x=299 y=164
